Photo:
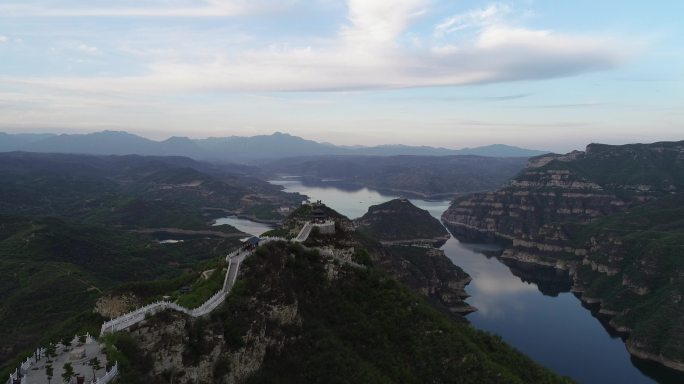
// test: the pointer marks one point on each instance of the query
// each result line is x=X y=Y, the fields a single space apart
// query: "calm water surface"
x=551 y=327
x=244 y=225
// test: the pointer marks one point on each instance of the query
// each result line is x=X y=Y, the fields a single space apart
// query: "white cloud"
x=143 y=8
x=380 y=21
x=492 y=14
x=3 y=39
x=87 y=49
x=367 y=53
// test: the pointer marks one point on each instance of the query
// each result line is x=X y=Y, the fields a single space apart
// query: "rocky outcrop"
x=429 y=272
x=226 y=347
x=611 y=217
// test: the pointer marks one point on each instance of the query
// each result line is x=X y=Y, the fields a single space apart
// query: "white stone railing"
x=233 y=254
x=109 y=376
x=25 y=366
x=41 y=353
x=233 y=259
x=269 y=239
x=125 y=321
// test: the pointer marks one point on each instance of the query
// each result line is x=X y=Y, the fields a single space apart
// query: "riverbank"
x=570 y=266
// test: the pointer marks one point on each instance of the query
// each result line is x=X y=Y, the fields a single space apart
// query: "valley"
x=520 y=279
x=532 y=309
x=344 y=192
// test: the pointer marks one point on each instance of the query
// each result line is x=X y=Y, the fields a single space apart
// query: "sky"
x=546 y=74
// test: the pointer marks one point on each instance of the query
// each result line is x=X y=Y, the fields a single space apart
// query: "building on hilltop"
x=251 y=243
x=317 y=214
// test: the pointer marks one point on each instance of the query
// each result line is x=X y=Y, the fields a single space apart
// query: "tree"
x=95 y=365
x=82 y=339
x=68 y=372
x=49 y=372
x=50 y=351
x=66 y=342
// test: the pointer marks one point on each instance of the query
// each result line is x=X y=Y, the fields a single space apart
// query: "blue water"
x=243 y=225
x=556 y=331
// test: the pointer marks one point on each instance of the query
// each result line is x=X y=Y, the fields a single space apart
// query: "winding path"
x=234 y=259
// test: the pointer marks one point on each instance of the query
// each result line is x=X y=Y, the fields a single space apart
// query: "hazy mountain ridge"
x=612 y=217
x=226 y=149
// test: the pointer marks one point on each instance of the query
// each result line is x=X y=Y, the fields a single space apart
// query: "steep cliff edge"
x=612 y=217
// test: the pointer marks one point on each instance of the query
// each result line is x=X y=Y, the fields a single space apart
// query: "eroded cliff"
x=612 y=217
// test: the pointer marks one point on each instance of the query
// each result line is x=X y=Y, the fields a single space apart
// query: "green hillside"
x=361 y=326
x=54 y=272
x=399 y=220
x=75 y=228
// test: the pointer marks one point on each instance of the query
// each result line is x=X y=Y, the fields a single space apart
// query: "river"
x=244 y=225
x=532 y=310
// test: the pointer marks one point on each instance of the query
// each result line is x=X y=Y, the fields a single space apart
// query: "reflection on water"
x=353 y=202
x=529 y=308
x=549 y=280
x=244 y=225
x=556 y=331
x=170 y=241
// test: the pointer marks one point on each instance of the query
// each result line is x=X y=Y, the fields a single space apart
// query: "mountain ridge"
x=228 y=149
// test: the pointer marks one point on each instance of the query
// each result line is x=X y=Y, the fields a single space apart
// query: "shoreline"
x=568 y=267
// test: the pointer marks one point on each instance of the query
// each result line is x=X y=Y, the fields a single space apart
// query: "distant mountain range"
x=228 y=149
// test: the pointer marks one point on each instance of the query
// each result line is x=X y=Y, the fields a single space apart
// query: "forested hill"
x=74 y=228
x=400 y=221
x=131 y=190
x=298 y=315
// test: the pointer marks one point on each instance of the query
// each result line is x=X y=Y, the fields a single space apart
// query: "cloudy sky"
x=548 y=74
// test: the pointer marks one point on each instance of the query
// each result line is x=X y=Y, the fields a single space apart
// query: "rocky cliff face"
x=429 y=272
x=227 y=347
x=611 y=216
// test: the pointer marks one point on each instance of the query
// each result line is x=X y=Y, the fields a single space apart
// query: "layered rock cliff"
x=612 y=217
